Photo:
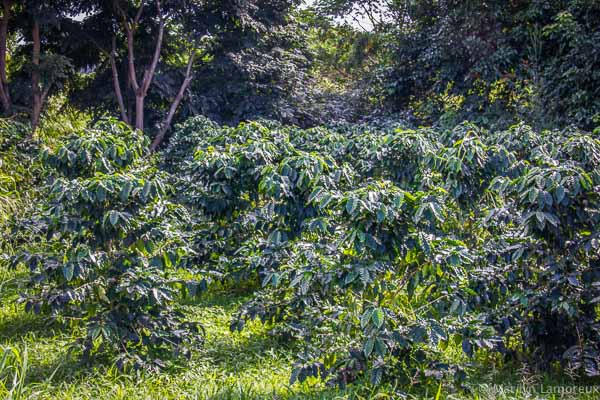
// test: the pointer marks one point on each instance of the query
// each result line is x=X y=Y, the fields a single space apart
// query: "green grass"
x=247 y=365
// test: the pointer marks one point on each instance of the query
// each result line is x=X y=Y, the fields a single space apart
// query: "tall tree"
x=152 y=53
x=40 y=26
x=133 y=27
x=4 y=89
x=38 y=94
x=140 y=87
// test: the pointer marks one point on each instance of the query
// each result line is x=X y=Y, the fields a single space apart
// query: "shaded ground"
x=247 y=365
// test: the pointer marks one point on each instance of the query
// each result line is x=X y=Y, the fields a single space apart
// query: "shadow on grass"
x=17 y=325
x=236 y=350
x=15 y=322
x=64 y=368
x=225 y=354
x=240 y=353
x=227 y=300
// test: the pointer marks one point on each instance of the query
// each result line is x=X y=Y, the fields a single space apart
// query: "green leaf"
x=294 y=375
x=275 y=238
x=315 y=194
x=351 y=205
x=376 y=376
x=380 y=347
x=419 y=213
x=540 y=216
x=438 y=395
x=125 y=191
x=68 y=271
x=399 y=200
x=417 y=334
x=166 y=260
x=266 y=280
x=351 y=277
x=149 y=246
x=559 y=194
x=467 y=347
x=552 y=219
x=146 y=190
x=101 y=193
x=377 y=317
x=380 y=215
x=436 y=210
x=325 y=200
x=368 y=347
x=366 y=317
x=275 y=280
x=113 y=217
x=533 y=194
x=71 y=157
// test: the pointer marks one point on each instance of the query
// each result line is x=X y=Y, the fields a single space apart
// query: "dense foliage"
x=380 y=248
x=493 y=62
x=109 y=248
x=401 y=193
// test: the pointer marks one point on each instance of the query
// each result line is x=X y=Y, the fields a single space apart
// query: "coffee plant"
x=380 y=249
x=19 y=172
x=111 y=249
x=544 y=280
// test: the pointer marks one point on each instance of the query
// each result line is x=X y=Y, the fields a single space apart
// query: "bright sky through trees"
x=357 y=19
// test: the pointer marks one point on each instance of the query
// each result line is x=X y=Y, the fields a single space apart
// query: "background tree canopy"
x=492 y=62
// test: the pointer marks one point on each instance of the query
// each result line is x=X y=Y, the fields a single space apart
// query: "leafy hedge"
x=111 y=248
x=18 y=171
x=379 y=249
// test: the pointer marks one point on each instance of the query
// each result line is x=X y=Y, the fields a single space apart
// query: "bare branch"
x=138 y=15
x=131 y=59
x=166 y=124
x=192 y=58
x=46 y=91
x=6 y=6
x=116 y=83
x=4 y=90
x=130 y=30
x=149 y=73
x=368 y=12
x=36 y=96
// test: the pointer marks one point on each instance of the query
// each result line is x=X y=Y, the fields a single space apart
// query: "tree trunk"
x=36 y=107
x=129 y=101
x=139 y=111
x=4 y=90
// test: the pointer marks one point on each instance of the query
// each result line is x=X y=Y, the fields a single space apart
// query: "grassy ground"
x=250 y=365
x=247 y=365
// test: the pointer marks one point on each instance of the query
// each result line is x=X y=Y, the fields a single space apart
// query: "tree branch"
x=131 y=59
x=6 y=6
x=116 y=83
x=166 y=124
x=138 y=15
x=129 y=30
x=367 y=11
x=36 y=96
x=46 y=91
x=149 y=73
